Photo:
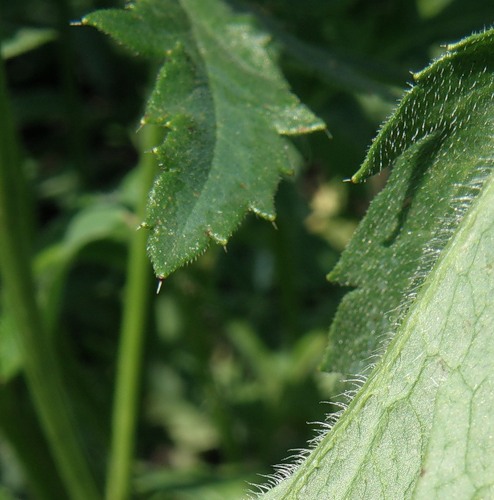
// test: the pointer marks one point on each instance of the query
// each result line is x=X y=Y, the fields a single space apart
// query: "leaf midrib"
x=196 y=25
x=404 y=332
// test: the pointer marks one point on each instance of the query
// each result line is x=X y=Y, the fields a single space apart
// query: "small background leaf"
x=25 y=40
x=223 y=105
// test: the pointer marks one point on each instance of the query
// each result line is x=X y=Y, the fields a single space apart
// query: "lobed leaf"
x=439 y=142
x=423 y=263
x=223 y=105
x=422 y=426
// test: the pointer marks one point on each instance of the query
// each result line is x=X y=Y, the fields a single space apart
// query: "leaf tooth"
x=217 y=238
x=287 y=171
x=267 y=213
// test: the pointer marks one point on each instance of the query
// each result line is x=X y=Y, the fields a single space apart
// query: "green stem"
x=41 y=366
x=132 y=334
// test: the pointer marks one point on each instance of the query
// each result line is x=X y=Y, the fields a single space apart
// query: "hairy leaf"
x=439 y=142
x=224 y=105
x=423 y=264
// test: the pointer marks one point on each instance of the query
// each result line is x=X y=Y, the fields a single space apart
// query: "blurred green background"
x=234 y=340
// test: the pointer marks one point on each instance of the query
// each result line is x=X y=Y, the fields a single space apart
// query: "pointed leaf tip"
x=217 y=87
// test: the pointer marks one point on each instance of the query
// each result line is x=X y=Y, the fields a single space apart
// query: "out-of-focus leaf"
x=421 y=426
x=96 y=222
x=337 y=70
x=5 y=494
x=25 y=40
x=203 y=484
x=224 y=105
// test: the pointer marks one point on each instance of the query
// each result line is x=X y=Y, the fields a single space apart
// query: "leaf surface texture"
x=422 y=263
x=224 y=107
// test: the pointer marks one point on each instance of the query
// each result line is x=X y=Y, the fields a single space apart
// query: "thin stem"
x=135 y=310
x=41 y=365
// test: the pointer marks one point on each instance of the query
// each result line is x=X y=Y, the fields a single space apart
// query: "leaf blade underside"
x=421 y=426
x=224 y=106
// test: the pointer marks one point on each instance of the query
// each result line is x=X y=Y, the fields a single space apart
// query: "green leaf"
x=340 y=71
x=98 y=221
x=421 y=426
x=223 y=105
x=25 y=40
x=439 y=142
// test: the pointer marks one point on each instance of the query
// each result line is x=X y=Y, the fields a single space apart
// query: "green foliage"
x=439 y=140
x=421 y=425
x=422 y=263
x=26 y=40
x=194 y=392
x=223 y=104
